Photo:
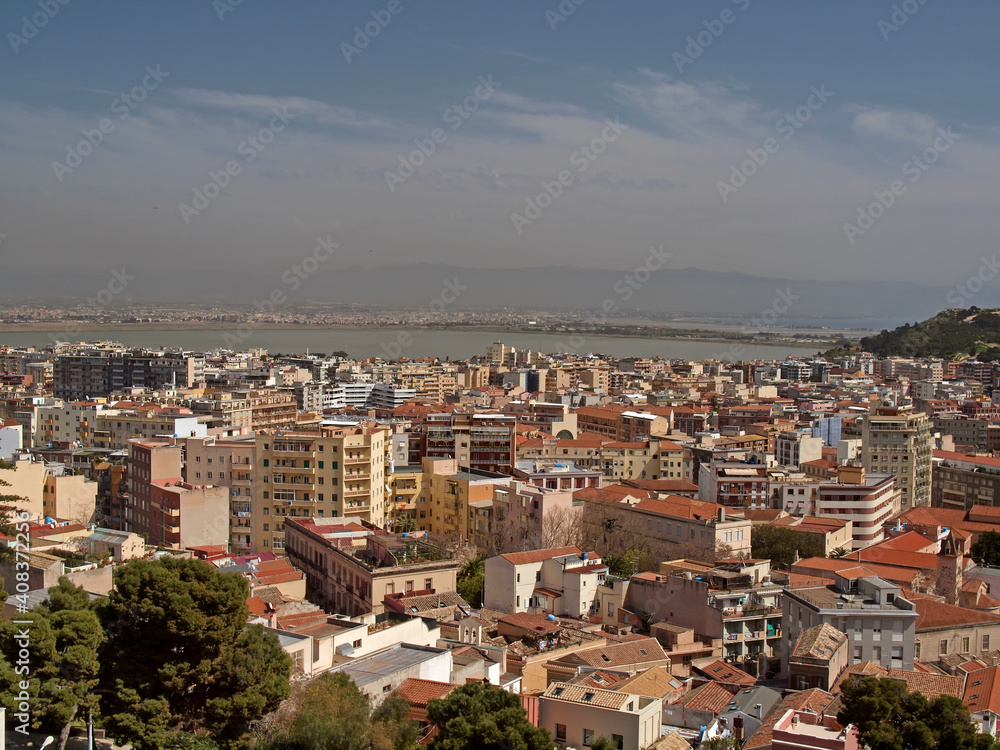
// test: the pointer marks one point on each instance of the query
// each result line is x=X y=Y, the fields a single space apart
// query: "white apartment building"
x=897 y=441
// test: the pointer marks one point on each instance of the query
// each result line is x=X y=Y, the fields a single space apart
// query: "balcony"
x=357 y=492
x=356 y=459
x=358 y=477
x=356 y=508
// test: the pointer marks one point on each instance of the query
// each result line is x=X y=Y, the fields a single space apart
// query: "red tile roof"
x=719 y=671
x=982 y=690
x=419 y=693
x=935 y=615
x=814 y=700
x=711 y=696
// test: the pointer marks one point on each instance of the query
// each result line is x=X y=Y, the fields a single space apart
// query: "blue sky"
x=688 y=124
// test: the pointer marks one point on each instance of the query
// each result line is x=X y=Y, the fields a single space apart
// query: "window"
x=560 y=732
x=618 y=740
x=897 y=652
x=986 y=643
x=857 y=653
x=943 y=647
x=266 y=510
x=965 y=645
x=916 y=651
x=387 y=688
x=588 y=737
x=877 y=653
x=266 y=461
x=428 y=584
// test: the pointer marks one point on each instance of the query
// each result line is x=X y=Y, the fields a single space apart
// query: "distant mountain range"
x=690 y=291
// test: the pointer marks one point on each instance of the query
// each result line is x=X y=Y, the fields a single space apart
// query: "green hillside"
x=951 y=334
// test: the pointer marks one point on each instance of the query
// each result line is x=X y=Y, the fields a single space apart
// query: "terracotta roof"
x=613 y=493
x=935 y=615
x=982 y=690
x=819 y=642
x=419 y=693
x=656 y=682
x=711 y=696
x=676 y=506
x=600 y=678
x=930 y=684
x=721 y=672
x=620 y=654
x=540 y=555
x=584 y=694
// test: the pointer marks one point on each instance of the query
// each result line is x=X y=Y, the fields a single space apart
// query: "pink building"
x=798 y=730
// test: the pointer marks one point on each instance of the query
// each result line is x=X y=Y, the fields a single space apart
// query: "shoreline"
x=73 y=328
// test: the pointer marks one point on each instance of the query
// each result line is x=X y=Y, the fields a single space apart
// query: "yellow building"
x=337 y=471
x=444 y=509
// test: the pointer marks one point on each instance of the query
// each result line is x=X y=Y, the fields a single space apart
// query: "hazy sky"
x=869 y=97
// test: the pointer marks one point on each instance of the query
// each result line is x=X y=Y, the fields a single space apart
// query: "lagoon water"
x=416 y=342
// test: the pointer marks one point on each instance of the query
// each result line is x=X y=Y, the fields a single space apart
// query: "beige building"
x=47 y=491
x=338 y=471
x=537 y=581
x=866 y=501
x=576 y=715
x=350 y=569
x=229 y=463
x=898 y=441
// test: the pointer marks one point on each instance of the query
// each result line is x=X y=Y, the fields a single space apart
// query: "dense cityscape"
x=709 y=550
x=499 y=375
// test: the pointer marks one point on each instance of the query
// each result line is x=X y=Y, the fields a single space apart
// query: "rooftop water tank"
x=551 y=618
x=585 y=555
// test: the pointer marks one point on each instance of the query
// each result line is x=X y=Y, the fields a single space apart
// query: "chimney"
x=722 y=515
x=758 y=709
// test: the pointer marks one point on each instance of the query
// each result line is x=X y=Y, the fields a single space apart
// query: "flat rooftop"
x=380 y=665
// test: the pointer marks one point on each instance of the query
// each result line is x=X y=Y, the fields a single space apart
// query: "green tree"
x=986 y=550
x=180 y=657
x=780 y=543
x=603 y=743
x=62 y=667
x=333 y=714
x=629 y=563
x=888 y=717
x=479 y=715
x=471 y=578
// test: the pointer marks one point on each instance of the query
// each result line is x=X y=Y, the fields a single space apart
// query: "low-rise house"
x=576 y=715
x=819 y=656
x=744 y=714
x=559 y=581
x=815 y=701
x=377 y=675
x=631 y=656
x=982 y=698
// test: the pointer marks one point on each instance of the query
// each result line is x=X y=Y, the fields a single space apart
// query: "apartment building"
x=576 y=715
x=350 y=569
x=897 y=441
x=72 y=422
x=229 y=463
x=451 y=490
x=271 y=409
x=114 y=428
x=407 y=485
x=734 y=485
x=583 y=452
x=166 y=510
x=867 y=501
x=794 y=448
x=229 y=412
x=337 y=471
x=879 y=622
x=960 y=481
x=648 y=459
x=85 y=375
x=476 y=441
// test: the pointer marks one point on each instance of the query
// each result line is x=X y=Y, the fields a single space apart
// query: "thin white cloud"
x=316 y=110
x=896 y=125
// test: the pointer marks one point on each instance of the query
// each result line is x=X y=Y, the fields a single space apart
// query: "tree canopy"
x=780 y=543
x=331 y=713
x=986 y=550
x=888 y=717
x=180 y=657
x=479 y=715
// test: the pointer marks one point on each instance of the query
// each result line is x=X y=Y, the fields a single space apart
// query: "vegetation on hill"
x=951 y=334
